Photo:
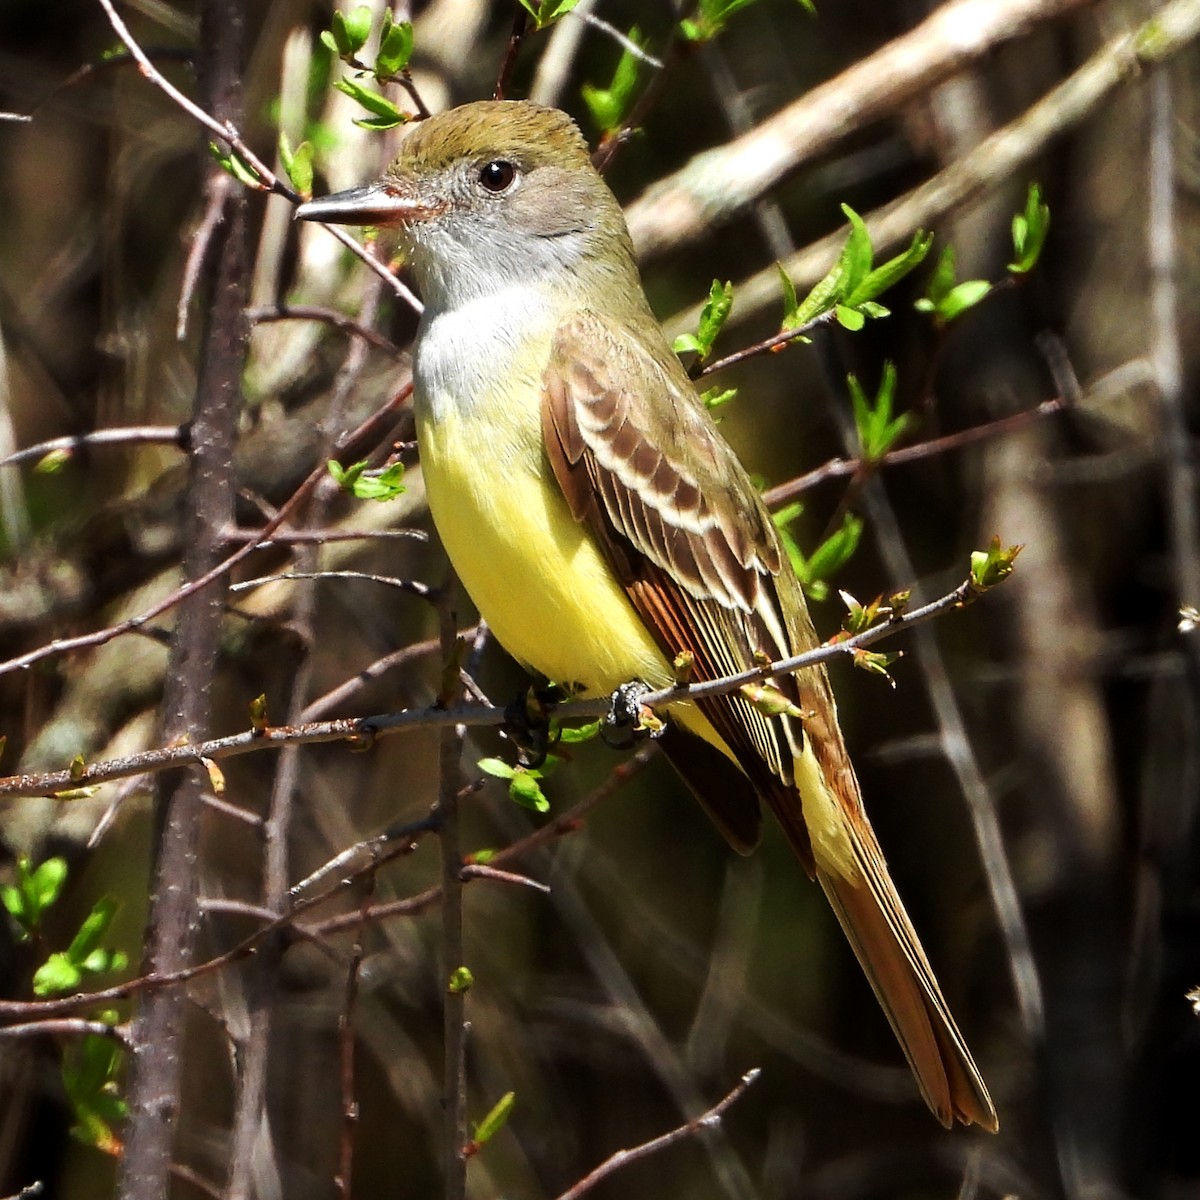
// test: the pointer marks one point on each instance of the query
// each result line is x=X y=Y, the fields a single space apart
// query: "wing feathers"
x=643 y=466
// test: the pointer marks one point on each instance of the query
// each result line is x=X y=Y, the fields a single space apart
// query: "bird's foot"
x=628 y=719
x=527 y=722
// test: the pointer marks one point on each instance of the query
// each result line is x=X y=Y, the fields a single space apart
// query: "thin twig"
x=782 y=338
x=362 y=729
x=341 y=1180
x=217 y=189
x=515 y=38
x=454 y=1026
x=838 y=467
x=486 y=871
x=298 y=537
x=412 y=587
x=134 y=435
x=700 y=1124
x=264 y=313
x=131 y=624
x=69 y=1027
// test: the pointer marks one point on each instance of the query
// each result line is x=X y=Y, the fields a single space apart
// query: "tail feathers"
x=831 y=835
x=870 y=912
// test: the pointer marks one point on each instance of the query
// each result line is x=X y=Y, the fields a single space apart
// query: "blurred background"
x=1032 y=774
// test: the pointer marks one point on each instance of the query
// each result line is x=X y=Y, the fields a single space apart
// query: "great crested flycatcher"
x=602 y=525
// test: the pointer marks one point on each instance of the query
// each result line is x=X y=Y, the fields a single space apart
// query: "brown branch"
x=782 y=338
x=992 y=162
x=265 y=313
x=172 y=921
x=454 y=1026
x=131 y=624
x=363 y=729
x=135 y=435
x=217 y=189
x=515 y=37
x=74 y=1027
x=341 y=1180
x=701 y=1124
x=838 y=467
x=719 y=183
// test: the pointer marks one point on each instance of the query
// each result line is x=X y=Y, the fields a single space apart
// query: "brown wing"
x=641 y=463
x=680 y=521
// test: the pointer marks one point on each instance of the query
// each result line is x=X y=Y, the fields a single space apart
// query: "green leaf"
x=878 y=279
x=547 y=11
x=363 y=484
x=940 y=282
x=832 y=554
x=815 y=571
x=715 y=397
x=875 y=661
x=769 y=700
x=790 y=304
x=993 y=565
x=824 y=295
x=380 y=124
x=712 y=319
x=89 y=1074
x=95 y=926
x=461 y=980
x=35 y=890
x=240 y=170
x=573 y=735
x=524 y=788
x=53 y=462
x=1029 y=230
x=857 y=254
x=395 y=46
x=496 y=767
x=878 y=430
x=712 y=17
x=352 y=29
x=495 y=1120
x=963 y=296
x=371 y=100
x=329 y=41
x=297 y=163
x=46 y=881
x=849 y=318
x=608 y=106
x=947 y=299
x=56 y=975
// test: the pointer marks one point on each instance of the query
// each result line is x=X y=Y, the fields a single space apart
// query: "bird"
x=604 y=527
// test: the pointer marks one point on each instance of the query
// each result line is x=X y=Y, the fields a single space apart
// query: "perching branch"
x=364 y=729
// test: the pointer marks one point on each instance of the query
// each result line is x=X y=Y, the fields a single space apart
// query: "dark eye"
x=498 y=176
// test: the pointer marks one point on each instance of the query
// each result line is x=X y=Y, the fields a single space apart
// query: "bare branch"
x=700 y=1124
x=360 y=729
x=717 y=184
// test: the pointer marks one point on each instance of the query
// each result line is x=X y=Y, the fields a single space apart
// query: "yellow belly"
x=534 y=573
